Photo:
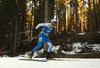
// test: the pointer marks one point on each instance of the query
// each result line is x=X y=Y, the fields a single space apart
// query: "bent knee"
x=49 y=44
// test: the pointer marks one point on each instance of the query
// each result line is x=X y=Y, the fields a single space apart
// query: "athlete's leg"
x=39 y=44
x=48 y=42
x=50 y=46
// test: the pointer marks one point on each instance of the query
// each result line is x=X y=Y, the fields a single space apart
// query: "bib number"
x=40 y=39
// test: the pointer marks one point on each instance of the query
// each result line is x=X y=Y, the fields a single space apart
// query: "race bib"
x=40 y=39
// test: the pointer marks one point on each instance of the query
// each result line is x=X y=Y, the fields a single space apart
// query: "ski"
x=55 y=59
x=41 y=60
x=58 y=59
x=46 y=60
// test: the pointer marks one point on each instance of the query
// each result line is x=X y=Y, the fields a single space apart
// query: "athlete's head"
x=53 y=22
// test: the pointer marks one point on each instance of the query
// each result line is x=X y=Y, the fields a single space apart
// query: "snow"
x=77 y=48
x=7 y=62
x=55 y=48
x=14 y=62
x=82 y=33
x=37 y=53
x=98 y=31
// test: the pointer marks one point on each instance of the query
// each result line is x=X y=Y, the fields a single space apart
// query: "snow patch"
x=77 y=48
x=82 y=33
x=55 y=48
x=37 y=53
x=98 y=31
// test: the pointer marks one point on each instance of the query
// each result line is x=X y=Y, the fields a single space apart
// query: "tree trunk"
x=16 y=27
x=76 y=18
x=56 y=16
x=99 y=18
x=46 y=19
x=95 y=17
x=81 y=20
x=90 y=20
x=65 y=19
x=70 y=26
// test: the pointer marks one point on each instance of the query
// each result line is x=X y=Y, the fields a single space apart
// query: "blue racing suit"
x=43 y=36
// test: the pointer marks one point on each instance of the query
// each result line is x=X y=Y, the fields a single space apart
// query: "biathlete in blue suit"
x=47 y=27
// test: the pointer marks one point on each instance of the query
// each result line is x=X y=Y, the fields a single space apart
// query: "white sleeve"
x=41 y=24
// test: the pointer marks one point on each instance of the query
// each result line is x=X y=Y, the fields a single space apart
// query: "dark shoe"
x=31 y=54
x=48 y=56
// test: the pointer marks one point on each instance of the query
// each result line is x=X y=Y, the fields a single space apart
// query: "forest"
x=74 y=17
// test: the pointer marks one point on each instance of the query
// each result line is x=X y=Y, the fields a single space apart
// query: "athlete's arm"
x=41 y=24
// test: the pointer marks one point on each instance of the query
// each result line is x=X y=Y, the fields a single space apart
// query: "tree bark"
x=76 y=18
x=90 y=20
x=95 y=17
x=16 y=27
x=46 y=19
x=99 y=18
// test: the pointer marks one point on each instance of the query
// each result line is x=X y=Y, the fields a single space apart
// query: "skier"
x=47 y=27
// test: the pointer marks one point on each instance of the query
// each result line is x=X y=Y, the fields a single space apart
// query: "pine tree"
x=6 y=18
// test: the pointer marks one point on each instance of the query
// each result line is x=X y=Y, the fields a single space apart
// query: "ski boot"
x=49 y=57
x=31 y=54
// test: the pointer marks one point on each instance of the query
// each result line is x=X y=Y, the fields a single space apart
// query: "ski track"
x=68 y=63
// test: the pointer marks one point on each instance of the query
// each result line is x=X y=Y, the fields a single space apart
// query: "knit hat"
x=53 y=20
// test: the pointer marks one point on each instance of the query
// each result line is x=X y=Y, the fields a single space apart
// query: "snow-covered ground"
x=76 y=48
x=69 y=63
x=14 y=62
